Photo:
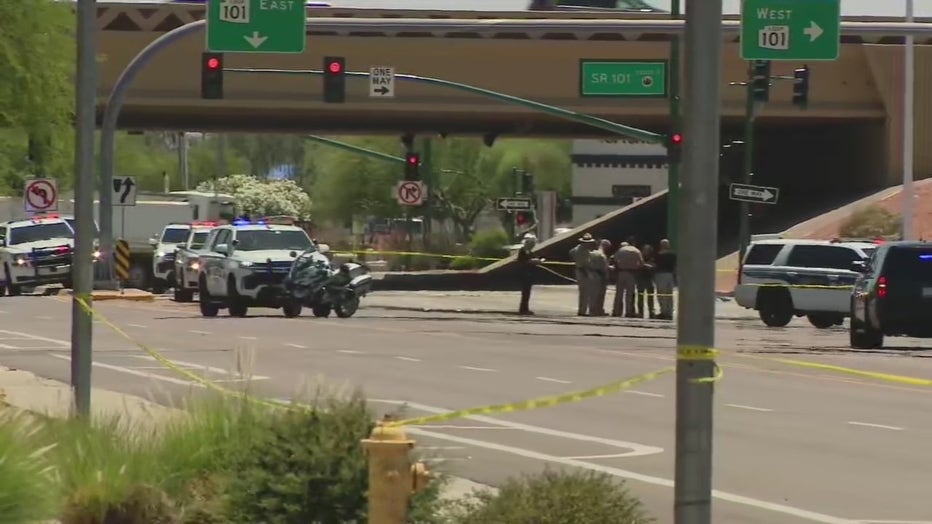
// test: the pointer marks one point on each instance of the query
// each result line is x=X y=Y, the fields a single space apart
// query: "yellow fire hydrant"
x=392 y=476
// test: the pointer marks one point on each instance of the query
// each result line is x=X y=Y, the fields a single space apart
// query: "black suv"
x=893 y=295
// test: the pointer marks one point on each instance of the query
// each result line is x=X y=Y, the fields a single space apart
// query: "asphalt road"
x=792 y=445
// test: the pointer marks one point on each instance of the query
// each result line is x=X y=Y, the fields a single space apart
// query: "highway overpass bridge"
x=851 y=129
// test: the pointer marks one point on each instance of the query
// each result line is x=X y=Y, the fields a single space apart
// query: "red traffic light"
x=335 y=67
x=213 y=63
x=676 y=138
x=521 y=218
x=414 y=159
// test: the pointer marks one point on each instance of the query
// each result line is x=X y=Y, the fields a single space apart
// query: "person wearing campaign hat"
x=580 y=257
x=526 y=264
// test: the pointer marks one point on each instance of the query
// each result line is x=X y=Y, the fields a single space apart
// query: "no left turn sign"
x=41 y=194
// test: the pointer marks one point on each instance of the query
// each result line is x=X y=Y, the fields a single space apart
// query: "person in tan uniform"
x=598 y=280
x=628 y=262
x=580 y=257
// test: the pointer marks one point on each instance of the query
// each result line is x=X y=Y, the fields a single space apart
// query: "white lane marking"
x=296 y=346
x=749 y=408
x=248 y=338
x=140 y=326
x=471 y=368
x=408 y=359
x=879 y=426
x=4 y=346
x=44 y=317
x=644 y=393
x=895 y=521
x=201 y=367
x=558 y=381
x=27 y=336
x=2 y=312
x=198 y=332
x=129 y=371
x=631 y=449
x=350 y=352
x=621 y=473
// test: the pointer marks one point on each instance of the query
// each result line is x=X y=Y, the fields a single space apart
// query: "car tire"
x=823 y=320
x=208 y=308
x=237 y=306
x=348 y=308
x=775 y=307
x=863 y=337
x=291 y=310
x=321 y=310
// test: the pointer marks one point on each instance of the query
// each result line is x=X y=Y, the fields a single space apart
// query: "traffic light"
x=212 y=76
x=760 y=80
x=412 y=166
x=674 y=147
x=801 y=87
x=523 y=218
x=334 y=79
x=527 y=183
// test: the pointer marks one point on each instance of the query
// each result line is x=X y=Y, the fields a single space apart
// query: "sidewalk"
x=545 y=300
x=28 y=392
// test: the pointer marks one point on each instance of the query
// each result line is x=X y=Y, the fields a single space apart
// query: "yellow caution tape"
x=887 y=377
x=537 y=403
x=696 y=353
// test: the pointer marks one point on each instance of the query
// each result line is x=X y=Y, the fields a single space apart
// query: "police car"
x=163 y=261
x=245 y=266
x=783 y=278
x=35 y=251
x=187 y=264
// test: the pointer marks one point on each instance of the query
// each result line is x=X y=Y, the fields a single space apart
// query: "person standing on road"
x=598 y=277
x=606 y=247
x=645 y=284
x=580 y=257
x=526 y=268
x=628 y=261
x=665 y=278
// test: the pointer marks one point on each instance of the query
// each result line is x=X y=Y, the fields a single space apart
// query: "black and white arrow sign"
x=755 y=194
x=512 y=204
x=382 y=82
x=124 y=191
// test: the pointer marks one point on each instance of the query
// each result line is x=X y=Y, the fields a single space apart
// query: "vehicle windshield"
x=174 y=235
x=38 y=232
x=197 y=242
x=868 y=252
x=74 y=227
x=912 y=263
x=261 y=239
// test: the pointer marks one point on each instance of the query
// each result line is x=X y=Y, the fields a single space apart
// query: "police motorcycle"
x=314 y=283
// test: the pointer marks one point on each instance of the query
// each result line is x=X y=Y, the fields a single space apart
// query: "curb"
x=100 y=295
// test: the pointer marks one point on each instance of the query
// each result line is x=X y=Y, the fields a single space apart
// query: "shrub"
x=27 y=487
x=489 y=244
x=466 y=262
x=556 y=498
x=871 y=222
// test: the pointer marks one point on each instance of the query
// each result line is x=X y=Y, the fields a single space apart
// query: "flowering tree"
x=263 y=197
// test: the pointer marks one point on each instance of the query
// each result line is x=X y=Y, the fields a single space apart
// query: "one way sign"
x=755 y=194
x=124 y=191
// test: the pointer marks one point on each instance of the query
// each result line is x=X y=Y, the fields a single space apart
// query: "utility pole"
x=83 y=279
x=908 y=117
x=747 y=175
x=673 y=168
x=698 y=236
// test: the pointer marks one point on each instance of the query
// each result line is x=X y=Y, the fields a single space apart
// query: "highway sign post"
x=790 y=29
x=753 y=194
x=512 y=204
x=382 y=82
x=410 y=192
x=256 y=26
x=623 y=78
x=40 y=195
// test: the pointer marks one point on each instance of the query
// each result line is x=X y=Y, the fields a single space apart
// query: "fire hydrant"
x=392 y=476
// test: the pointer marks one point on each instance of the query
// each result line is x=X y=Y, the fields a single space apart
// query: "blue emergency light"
x=244 y=222
x=925 y=257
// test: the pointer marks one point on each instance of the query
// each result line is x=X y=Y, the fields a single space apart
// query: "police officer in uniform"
x=526 y=270
x=580 y=257
x=598 y=279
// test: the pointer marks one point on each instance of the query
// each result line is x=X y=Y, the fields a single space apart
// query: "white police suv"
x=187 y=260
x=35 y=251
x=245 y=266
x=783 y=278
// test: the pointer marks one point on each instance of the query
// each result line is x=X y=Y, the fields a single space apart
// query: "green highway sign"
x=623 y=78
x=790 y=29
x=256 y=26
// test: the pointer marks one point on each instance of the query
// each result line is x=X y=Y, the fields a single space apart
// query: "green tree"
x=263 y=197
x=37 y=57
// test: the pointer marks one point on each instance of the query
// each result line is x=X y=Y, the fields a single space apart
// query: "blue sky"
x=849 y=7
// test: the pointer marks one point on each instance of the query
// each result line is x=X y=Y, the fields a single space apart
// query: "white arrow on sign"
x=764 y=195
x=256 y=39
x=813 y=31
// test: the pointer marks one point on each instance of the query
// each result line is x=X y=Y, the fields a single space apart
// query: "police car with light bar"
x=163 y=262
x=187 y=260
x=245 y=265
x=35 y=251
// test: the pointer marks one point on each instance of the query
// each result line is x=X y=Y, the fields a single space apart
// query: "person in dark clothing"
x=645 y=283
x=526 y=270
x=665 y=278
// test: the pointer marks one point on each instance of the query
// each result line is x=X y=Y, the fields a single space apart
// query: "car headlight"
x=160 y=254
x=244 y=263
x=96 y=255
x=195 y=266
x=20 y=261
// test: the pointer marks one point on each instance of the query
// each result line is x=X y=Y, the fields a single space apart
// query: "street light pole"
x=908 y=104
x=744 y=219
